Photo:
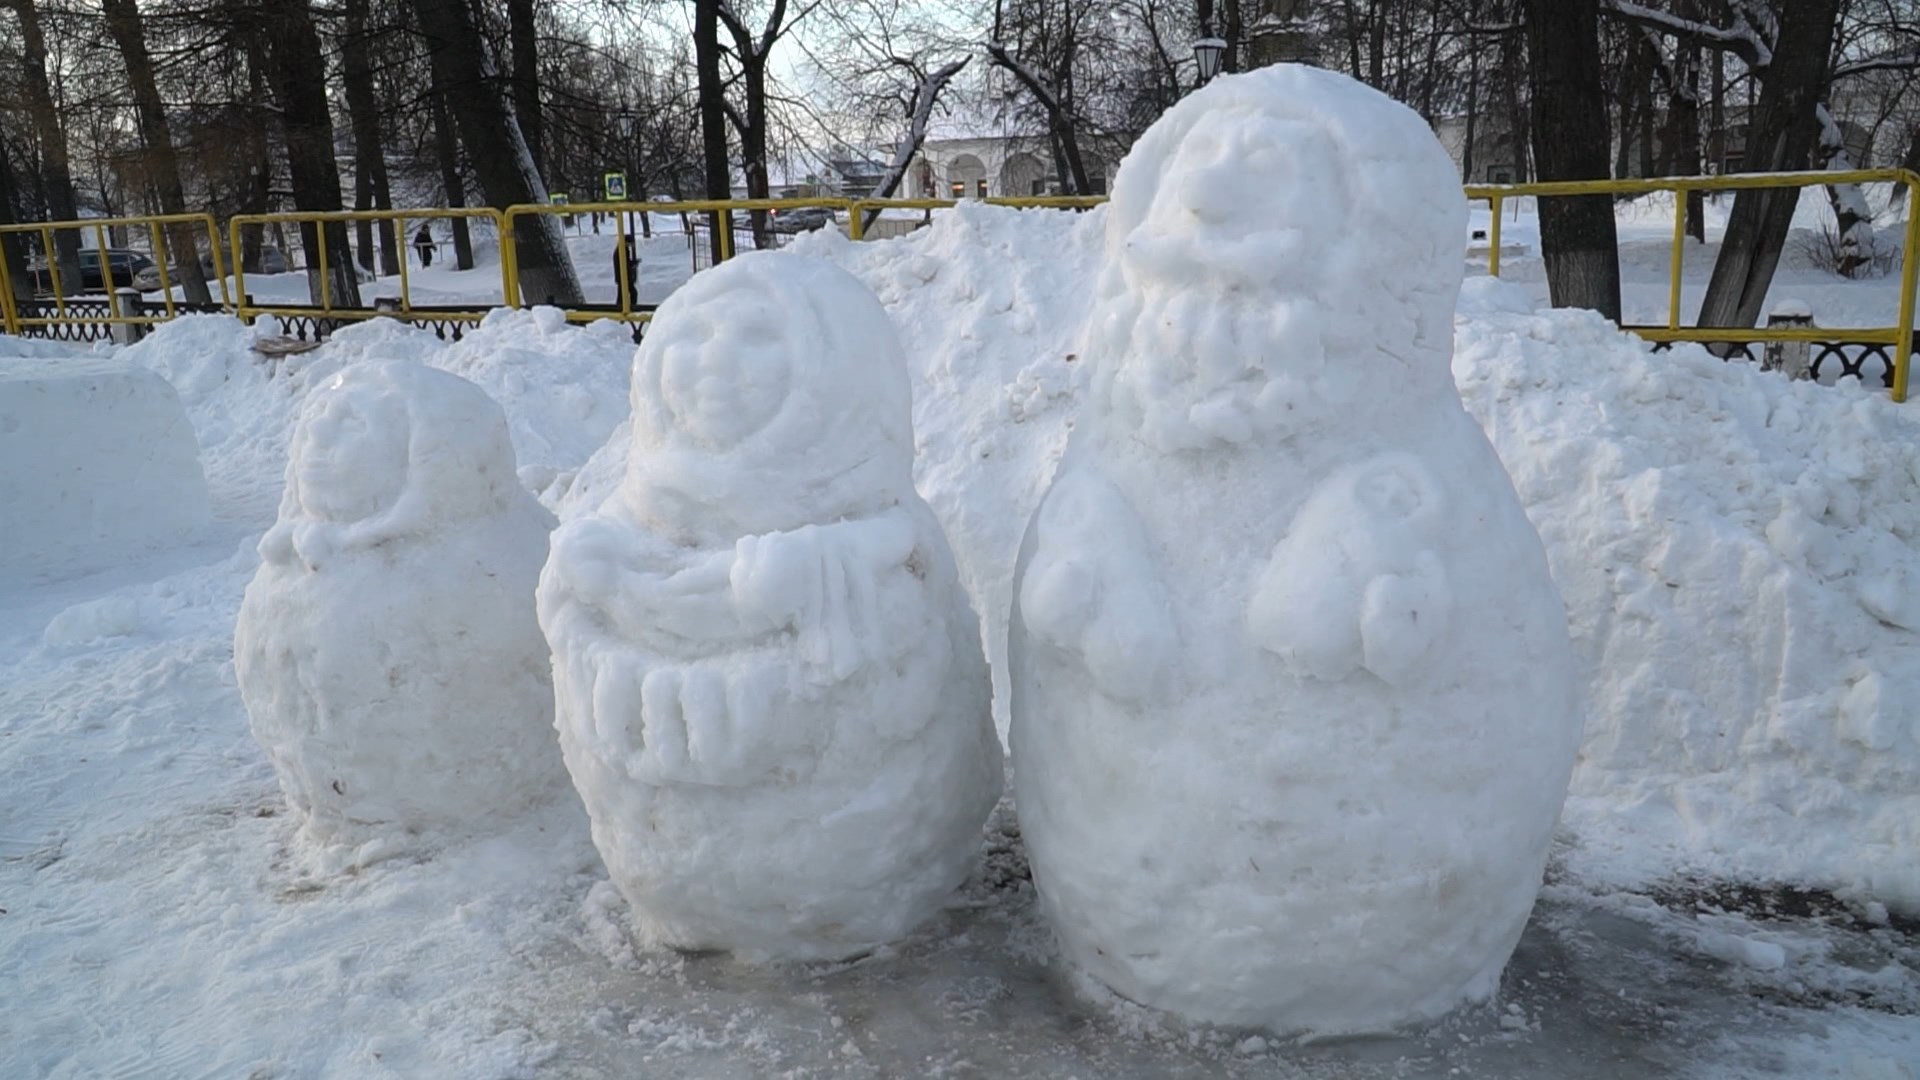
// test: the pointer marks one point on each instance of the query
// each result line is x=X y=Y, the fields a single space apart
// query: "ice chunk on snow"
x=387 y=648
x=770 y=688
x=1274 y=505
x=97 y=463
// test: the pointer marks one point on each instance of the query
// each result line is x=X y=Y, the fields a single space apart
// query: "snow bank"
x=1740 y=556
x=988 y=302
x=97 y=462
x=564 y=389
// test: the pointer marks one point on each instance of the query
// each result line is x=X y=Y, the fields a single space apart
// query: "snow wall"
x=97 y=464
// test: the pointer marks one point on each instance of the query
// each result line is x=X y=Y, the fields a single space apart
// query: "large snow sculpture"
x=771 y=693
x=1293 y=702
x=387 y=648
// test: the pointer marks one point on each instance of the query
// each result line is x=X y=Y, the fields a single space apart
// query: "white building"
x=998 y=166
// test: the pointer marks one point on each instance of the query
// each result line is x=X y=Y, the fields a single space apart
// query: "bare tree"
x=55 y=175
x=292 y=46
x=163 y=166
x=495 y=146
x=1570 y=143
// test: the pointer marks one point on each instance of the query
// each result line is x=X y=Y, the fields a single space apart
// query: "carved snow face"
x=1245 y=199
x=724 y=369
x=352 y=454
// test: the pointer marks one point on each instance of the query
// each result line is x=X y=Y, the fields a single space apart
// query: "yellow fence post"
x=1493 y=237
x=1903 y=348
x=856 y=227
x=53 y=270
x=400 y=246
x=1673 y=272
x=9 y=314
x=326 y=291
x=106 y=273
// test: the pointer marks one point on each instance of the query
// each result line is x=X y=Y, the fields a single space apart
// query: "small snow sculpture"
x=771 y=693
x=387 y=648
x=1294 y=707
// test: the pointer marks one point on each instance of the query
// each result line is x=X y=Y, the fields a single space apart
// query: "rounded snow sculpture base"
x=97 y=461
x=1294 y=706
x=387 y=649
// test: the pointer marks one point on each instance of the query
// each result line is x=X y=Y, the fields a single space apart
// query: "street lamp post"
x=1207 y=53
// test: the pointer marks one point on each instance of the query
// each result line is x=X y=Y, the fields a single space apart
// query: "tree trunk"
x=292 y=50
x=446 y=149
x=523 y=34
x=13 y=246
x=496 y=148
x=1473 y=117
x=1236 y=32
x=370 y=188
x=713 y=114
x=183 y=249
x=1570 y=143
x=753 y=146
x=1781 y=138
x=56 y=177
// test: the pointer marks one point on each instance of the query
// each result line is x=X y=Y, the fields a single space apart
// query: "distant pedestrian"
x=423 y=243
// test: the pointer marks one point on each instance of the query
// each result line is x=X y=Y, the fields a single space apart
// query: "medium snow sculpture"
x=1294 y=707
x=771 y=693
x=387 y=649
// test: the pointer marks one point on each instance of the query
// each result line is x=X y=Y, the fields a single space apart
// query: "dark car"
x=802 y=219
x=122 y=264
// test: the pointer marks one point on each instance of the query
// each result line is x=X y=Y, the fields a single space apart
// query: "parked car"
x=124 y=266
x=148 y=280
x=802 y=219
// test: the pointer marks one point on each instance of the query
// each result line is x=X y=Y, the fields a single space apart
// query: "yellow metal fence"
x=1897 y=337
x=100 y=231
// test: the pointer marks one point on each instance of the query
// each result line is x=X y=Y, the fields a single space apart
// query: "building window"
x=959 y=189
x=980 y=187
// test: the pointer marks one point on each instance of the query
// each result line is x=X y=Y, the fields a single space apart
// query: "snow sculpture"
x=1294 y=706
x=387 y=648
x=771 y=692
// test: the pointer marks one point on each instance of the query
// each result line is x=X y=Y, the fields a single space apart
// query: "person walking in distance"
x=423 y=243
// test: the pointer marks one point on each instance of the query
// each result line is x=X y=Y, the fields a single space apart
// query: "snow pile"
x=241 y=403
x=1293 y=701
x=988 y=302
x=771 y=692
x=564 y=388
x=387 y=649
x=97 y=463
x=1740 y=556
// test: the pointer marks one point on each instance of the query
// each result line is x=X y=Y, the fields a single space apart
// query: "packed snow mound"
x=989 y=302
x=564 y=388
x=97 y=463
x=1294 y=706
x=1740 y=556
x=771 y=694
x=387 y=649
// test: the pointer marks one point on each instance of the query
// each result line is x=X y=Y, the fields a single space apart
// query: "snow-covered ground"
x=1734 y=888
